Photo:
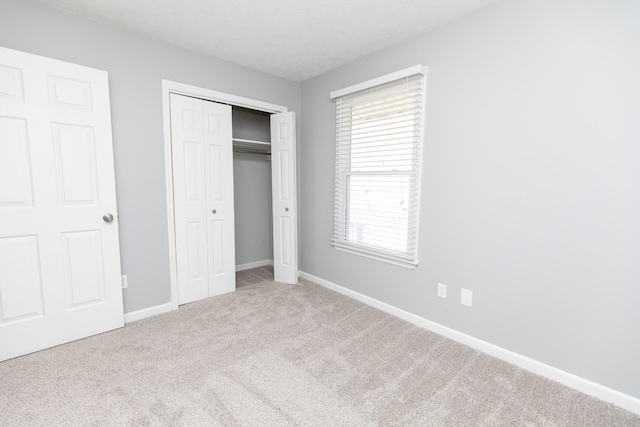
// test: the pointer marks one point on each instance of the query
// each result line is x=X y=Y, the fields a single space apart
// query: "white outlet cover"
x=466 y=297
x=442 y=290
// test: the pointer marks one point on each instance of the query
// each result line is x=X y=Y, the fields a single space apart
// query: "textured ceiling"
x=295 y=39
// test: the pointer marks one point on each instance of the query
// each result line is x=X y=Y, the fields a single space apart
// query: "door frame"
x=169 y=87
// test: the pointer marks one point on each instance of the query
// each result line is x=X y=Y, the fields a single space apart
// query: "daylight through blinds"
x=378 y=143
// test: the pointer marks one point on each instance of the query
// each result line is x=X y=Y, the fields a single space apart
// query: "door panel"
x=75 y=164
x=60 y=275
x=285 y=230
x=217 y=247
x=195 y=250
x=191 y=172
x=15 y=170
x=11 y=83
x=283 y=176
x=216 y=175
x=69 y=93
x=20 y=284
x=189 y=198
x=83 y=267
x=220 y=203
x=203 y=197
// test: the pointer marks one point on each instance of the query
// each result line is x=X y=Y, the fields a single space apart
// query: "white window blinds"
x=377 y=180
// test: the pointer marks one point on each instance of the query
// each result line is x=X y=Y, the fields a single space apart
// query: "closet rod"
x=240 y=151
x=251 y=146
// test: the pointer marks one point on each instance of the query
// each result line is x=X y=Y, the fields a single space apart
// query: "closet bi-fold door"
x=283 y=188
x=202 y=157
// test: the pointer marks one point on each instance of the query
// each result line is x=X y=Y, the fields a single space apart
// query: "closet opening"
x=252 y=188
x=230 y=167
x=251 y=131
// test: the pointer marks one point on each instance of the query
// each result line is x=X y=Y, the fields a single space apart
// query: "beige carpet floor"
x=277 y=355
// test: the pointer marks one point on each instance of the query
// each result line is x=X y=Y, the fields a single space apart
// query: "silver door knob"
x=286 y=209
x=107 y=217
x=213 y=211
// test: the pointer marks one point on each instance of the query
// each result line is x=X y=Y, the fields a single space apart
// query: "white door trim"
x=168 y=87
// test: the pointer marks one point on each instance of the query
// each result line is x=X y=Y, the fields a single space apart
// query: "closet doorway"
x=201 y=236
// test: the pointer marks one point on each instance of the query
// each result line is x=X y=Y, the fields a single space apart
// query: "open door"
x=283 y=181
x=59 y=250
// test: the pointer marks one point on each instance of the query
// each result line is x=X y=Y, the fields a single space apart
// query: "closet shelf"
x=251 y=146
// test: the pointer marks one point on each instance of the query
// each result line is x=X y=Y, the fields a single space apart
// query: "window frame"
x=340 y=239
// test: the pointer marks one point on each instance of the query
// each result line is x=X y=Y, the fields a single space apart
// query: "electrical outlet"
x=123 y=281
x=466 y=297
x=442 y=290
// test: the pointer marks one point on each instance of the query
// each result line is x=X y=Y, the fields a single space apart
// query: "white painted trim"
x=168 y=174
x=224 y=98
x=575 y=382
x=168 y=87
x=345 y=247
x=411 y=71
x=147 y=312
x=250 y=265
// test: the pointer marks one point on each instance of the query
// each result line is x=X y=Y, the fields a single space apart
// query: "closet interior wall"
x=252 y=189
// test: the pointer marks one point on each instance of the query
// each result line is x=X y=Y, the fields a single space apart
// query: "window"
x=377 y=176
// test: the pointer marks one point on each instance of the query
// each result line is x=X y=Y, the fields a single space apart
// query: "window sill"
x=389 y=259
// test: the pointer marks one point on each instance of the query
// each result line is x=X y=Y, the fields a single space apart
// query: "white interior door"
x=218 y=146
x=202 y=159
x=283 y=182
x=59 y=259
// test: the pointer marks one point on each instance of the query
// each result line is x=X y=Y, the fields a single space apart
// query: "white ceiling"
x=295 y=39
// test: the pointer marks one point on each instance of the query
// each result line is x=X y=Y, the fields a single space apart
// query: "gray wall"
x=136 y=66
x=530 y=186
x=252 y=203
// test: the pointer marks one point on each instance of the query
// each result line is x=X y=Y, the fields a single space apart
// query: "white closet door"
x=283 y=181
x=203 y=197
x=59 y=259
x=187 y=143
x=220 y=206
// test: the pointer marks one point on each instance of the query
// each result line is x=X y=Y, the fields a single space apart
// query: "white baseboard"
x=251 y=265
x=147 y=312
x=583 y=385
